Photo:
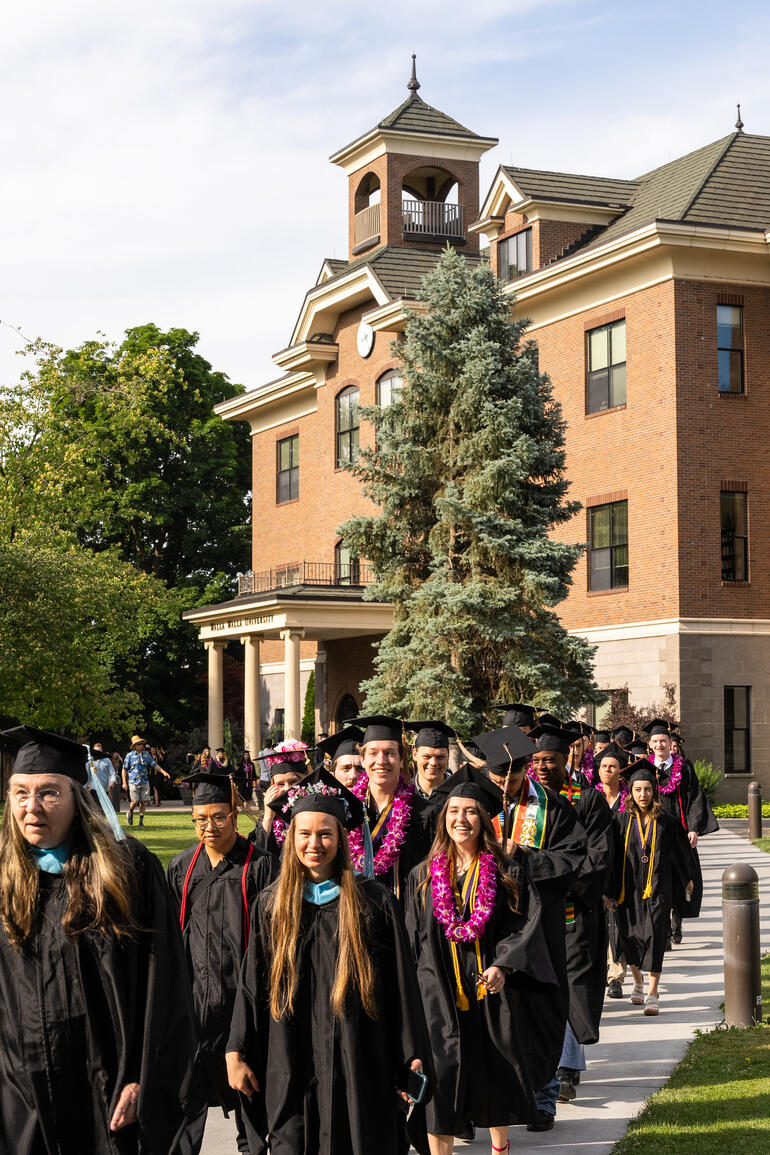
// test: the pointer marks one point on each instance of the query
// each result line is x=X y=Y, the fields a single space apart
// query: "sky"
x=167 y=160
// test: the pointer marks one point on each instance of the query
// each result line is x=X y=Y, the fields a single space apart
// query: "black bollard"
x=743 y=972
x=755 y=811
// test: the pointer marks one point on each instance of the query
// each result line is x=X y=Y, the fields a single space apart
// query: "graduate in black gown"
x=340 y=754
x=681 y=796
x=474 y=925
x=328 y=1017
x=286 y=768
x=585 y=921
x=608 y=764
x=652 y=876
x=96 y=1027
x=214 y=885
x=399 y=819
x=541 y=833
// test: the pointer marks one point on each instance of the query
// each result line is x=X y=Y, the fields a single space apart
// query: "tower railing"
x=432 y=218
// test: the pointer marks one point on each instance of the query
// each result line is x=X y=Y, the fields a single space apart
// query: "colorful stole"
x=571 y=791
x=529 y=818
x=466 y=900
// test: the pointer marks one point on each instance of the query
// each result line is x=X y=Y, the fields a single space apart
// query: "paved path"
x=636 y=1054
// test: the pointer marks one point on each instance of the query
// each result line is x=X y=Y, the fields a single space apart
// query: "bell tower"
x=413 y=179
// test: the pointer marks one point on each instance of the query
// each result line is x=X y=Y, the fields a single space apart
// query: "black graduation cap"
x=380 y=728
x=468 y=782
x=675 y=737
x=555 y=738
x=623 y=735
x=40 y=752
x=212 y=787
x=583 y=729
x=517 y=713
x=640 y=771
x=321 y=793
x=612 y=750
x=337 y=745
x=637 y=748
x=601 y=735
x=549 y=720
x=432 y=734
x=505 y=748
x=657 y=726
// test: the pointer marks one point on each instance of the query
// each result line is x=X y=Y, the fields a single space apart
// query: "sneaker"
x=130 y=818
x=567 y=1090
x=543 y=1121
x=676 y=935
x=615 y=989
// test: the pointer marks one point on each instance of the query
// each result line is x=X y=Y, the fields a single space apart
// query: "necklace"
x=674 y=776
x=479 y=893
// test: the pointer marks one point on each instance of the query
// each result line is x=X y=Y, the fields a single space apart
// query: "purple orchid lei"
x=398 y=820
x=674 y=776
x=444 y=908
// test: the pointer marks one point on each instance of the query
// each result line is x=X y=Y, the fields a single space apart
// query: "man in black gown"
x=430 y=755
x=586 y=925
x=542 y=835
x=214 y=884
x=96 y=1028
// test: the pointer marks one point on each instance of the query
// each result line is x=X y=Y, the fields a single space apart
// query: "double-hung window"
x=606 y=367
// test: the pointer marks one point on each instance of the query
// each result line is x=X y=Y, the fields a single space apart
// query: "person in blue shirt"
x=100 y=766
x=136 y=776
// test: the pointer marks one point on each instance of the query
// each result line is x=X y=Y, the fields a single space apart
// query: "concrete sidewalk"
x=636 y=1054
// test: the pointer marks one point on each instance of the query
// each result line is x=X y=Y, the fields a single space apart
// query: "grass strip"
x=718 y=1096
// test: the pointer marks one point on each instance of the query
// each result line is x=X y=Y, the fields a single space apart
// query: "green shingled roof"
x=571 y=187
x=414 y=115
x=398 y=268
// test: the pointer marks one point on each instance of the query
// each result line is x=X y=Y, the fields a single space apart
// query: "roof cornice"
x=404 y=141
x=333 y=297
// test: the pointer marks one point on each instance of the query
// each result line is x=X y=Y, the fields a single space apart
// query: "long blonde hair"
x=354 y=965
x=98 y=874
x=444 y=847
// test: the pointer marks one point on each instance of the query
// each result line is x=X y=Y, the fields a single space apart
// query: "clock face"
x=365 y=339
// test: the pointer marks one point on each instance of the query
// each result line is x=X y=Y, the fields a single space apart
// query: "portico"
x=291 y=616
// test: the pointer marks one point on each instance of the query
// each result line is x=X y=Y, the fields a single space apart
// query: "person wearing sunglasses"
x=214 y=883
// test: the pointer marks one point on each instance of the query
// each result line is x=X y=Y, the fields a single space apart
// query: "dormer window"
x=514 y=256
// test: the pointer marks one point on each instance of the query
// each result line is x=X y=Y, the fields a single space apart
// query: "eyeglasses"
x=217 y=820
x=47 y=798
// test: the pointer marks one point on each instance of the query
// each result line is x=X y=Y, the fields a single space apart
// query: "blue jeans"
x=573 y=1055
x=545 y=1098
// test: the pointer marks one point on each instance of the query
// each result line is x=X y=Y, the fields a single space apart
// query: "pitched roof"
x=399 y=268
x=414 y=115
x=572 y=187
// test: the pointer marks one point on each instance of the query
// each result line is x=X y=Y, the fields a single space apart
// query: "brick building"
x=650 y=305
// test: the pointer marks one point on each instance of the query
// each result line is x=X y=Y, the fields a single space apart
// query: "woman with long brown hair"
x=474 y=924
x=96 y=1033
x=652 y=875
x=327 y=1019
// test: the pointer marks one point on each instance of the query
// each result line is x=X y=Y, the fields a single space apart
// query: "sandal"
x=507 y=1147
x=652 y=1005
x=637 y=995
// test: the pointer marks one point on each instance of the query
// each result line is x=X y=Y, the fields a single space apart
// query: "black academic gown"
x=586 y=937
x=481 y=1075
x=214 y=944
x=643 y=924
x=553 y=869
x=81 y=1017
x=330 y=1082
x=418 y=838
x=689 y=805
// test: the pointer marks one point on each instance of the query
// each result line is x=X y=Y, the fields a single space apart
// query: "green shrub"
x=709 y=776
x=308 y=716
x=738 y=810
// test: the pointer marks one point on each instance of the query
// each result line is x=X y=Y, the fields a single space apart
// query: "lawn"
x=763 y=844
x=718 y=1097
x=165 y=833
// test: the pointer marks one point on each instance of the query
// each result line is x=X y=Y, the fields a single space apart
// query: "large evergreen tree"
x=469 y=473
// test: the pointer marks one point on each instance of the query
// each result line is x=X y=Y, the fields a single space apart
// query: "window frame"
x=729 y=732
x=350 y=435
x=613 y=547
x=732 y=349
x=353 y=564
x=389 y=375
x=736 y=537
x=611 y=368
x=292 y=470
x=526 y=236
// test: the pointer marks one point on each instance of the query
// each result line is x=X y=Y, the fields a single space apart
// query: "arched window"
x=347 y=406
x=347 y=709
x=389 y=388
x=346 y=567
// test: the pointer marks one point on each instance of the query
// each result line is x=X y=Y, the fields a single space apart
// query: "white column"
x=292 y=725
x=216 y=714
x=251 y=700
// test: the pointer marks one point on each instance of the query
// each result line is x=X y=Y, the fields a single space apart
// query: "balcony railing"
x=432 y=218
x=366 y=225
x=346 y=575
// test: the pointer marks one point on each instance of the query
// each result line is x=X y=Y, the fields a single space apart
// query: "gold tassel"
x=461 y=999
x=622 y=895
